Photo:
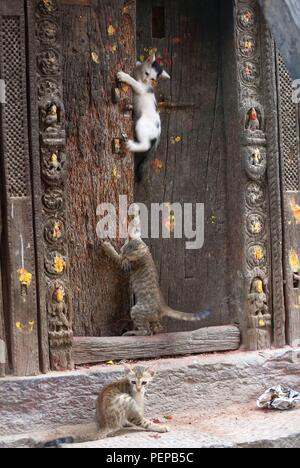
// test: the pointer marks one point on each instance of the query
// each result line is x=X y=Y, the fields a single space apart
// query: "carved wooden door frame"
x=253 y=173
x=254 y=147
x=19 y=247
x=56 y=301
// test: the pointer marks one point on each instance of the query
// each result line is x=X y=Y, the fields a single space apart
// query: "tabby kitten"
x=121 y=404
x=150 y=305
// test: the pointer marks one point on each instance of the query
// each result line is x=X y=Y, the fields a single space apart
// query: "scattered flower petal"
x=95 y=57
x=177 y=40
x=59 y=264
x=156 y=421
x=175 y=140
x=158 y=165
x=25 y=277
x=294 y=261
x=296 y=211
x=111 y=30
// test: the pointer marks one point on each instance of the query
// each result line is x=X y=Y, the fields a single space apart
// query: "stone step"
x=29 y=405
x=238 y=426
x=241 y=426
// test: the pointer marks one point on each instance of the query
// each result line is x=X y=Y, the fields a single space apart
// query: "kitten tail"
x=176 y=314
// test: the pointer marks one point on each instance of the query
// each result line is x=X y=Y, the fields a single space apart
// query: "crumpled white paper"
x=279 y=398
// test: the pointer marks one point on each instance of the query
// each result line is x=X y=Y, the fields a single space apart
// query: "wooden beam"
x=204 y=340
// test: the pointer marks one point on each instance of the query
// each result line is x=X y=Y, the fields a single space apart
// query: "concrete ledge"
x=218 y=380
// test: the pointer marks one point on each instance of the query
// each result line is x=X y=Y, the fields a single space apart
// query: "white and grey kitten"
x=147 y=118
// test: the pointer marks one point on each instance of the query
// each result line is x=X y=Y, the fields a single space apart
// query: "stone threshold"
x=204 y=382
x=237 y=426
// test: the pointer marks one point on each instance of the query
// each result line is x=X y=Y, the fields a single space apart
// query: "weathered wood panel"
x=205 y=340
x=19 y=275
x=2 y=326
x=292 y=265
x=283 y=17
x=33 y=116
x=236 y=259
x=190 y=164
x=98 y=41
x=290 y=171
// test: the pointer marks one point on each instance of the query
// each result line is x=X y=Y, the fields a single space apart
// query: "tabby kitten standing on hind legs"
x=150 y=305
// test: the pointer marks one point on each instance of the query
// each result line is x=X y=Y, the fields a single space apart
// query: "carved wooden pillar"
x=53 y=173
x=18 y=242
x=254 y=171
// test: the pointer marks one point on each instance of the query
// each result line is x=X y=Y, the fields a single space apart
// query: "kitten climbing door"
x=18 y=248
x=190 y=164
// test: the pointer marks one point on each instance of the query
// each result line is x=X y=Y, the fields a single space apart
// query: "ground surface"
x=211 y=398
x=237 y=426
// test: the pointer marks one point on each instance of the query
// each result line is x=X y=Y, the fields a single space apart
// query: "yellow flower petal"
x=294 y=261
x=95 y=57
x=59 y=264
x=25 y=277
x=259 y=253
x=111 y=30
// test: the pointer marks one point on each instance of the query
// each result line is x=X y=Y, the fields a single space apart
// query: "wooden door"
x=98 y=41
x=18 y=249
x=290 y=171
x=190 y=164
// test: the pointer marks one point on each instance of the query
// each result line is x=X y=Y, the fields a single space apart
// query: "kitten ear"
x=138 y=64
x=127 y=369
x=152 y=58
x=165 y=75
x=152 y=370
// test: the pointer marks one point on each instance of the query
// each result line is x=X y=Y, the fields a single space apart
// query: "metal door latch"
x=118 y=145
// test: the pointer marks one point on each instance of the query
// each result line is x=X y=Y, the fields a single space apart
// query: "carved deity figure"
x=52 y=122
x=253 y=123
x=60 y=330
x=259 y=318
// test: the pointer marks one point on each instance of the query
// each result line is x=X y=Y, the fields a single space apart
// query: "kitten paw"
x=136 y=333
x=105 y=245
x=121 y=76
x=163 y=429
x=130 y=145
x=126 y=266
